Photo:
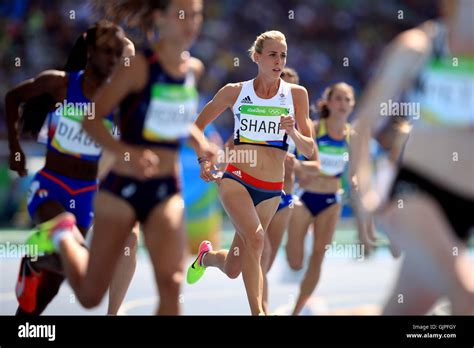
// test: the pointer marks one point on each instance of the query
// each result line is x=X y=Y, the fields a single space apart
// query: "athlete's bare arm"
x=400 y=64
x=125 y=80
x=52 y=82
x=224 y=99
x=311 y=167
x=303 y=135
x=107 y=159
x=197 y=139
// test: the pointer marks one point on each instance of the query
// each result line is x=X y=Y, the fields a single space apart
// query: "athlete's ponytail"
x=322 y=107
x=77 y=59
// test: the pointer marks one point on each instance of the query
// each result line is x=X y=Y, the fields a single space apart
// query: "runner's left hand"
x=287 y=122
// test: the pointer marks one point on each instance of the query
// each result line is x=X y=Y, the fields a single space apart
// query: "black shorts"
x=143 y=196
x=458 y=210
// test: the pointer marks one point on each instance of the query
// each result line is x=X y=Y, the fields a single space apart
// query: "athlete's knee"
x=90 y=302
x=295 y=264
x=295 y=261
x=91 y=298
x=233 y=274
x=232 y=270
x=255 y=241
x=169 y=283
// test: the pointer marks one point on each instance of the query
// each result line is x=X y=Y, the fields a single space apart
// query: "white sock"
x=202 y=259
x=59 y=235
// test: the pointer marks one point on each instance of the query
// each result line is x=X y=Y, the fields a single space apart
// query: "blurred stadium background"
x=321 y=34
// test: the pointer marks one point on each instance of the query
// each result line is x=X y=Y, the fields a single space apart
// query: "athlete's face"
x=341 y=102
x=272 y=60
x=107 y=51
x=181 y=21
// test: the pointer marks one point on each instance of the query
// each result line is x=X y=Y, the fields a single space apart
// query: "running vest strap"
x=257 y=120
x=444 y=89
x=333 y=154
x=65 y=132
x=163 y=112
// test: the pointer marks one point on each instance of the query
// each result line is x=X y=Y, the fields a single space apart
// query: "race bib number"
x=333 y=159
x=261 y=123
x=447 y=95
x=170 y=113
x=69 y=137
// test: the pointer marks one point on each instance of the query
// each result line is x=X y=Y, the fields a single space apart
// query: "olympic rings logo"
x=274 y=112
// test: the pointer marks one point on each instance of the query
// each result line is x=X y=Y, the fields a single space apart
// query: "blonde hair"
x=322 y=104
x=257 y=46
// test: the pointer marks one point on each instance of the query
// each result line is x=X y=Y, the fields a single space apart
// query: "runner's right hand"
x=143 y=163
x=207 y=168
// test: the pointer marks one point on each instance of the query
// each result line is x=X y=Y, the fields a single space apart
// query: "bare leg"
x=90 y=273
x=324 y=227
x=124 y=272
x=165 y=239
x=297 y=230
x=273 y=237
x=50 y=265
x=435 y=254
x=410 y=295
x=365 y=230
x=228 y=261
x=250 y=222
